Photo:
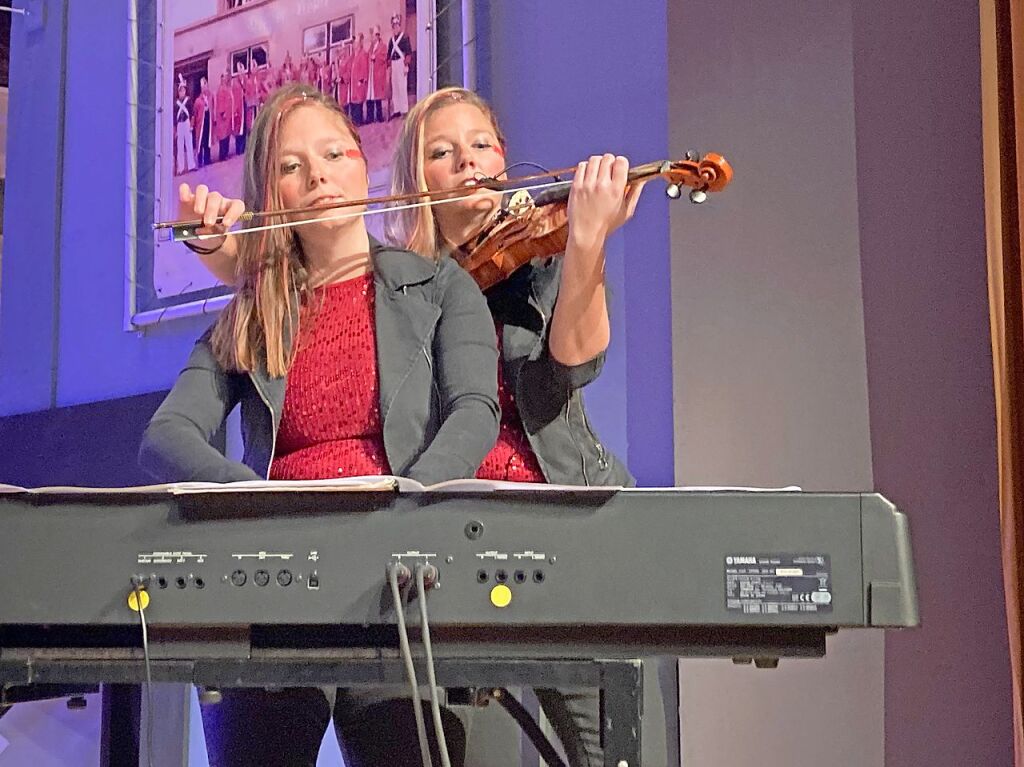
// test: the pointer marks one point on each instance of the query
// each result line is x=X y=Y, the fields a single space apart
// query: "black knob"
x=261 y=577
x=284 y=578
x=238 y=578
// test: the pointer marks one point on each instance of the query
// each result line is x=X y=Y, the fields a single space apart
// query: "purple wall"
x=919 y=171
x=62 y=307
x=567 y=83
x=31 y=214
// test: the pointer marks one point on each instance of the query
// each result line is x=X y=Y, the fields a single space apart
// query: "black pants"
x=357 y=112
x=374 y=111
x=203 y=150
x=284 y=728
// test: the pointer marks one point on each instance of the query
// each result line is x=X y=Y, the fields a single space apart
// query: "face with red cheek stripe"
x=460 y=146
x=319 y=162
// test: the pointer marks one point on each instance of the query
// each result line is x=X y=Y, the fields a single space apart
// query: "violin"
x=525 y=228
x=538 y=227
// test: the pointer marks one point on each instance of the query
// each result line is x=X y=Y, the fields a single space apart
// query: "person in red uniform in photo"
x=238 y=109
x=223 y=117
x=252 y=96
x=360 y=76
x=326 y=75
x=345 y=78
x=378 y=81
x=287 y=76
x=202 y=123
x=268 y=79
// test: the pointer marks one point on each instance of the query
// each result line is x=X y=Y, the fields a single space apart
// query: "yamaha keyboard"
x=566 y=588
x=625 y=572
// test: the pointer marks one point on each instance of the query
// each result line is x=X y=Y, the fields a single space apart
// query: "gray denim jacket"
x=436 y=359
x=548 y=393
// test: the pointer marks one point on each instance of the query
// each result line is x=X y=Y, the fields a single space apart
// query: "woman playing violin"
x=551 y=318
x=551 y=315
x=347 y=358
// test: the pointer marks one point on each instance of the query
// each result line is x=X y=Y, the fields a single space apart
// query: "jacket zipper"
x=568 y=406
x=433 y=381
x=273 y=425
x=602 y=458
x=568 y=425
x=536 y=348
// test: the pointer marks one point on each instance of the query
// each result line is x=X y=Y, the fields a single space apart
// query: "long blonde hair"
x=257 y=327
x=416 y=228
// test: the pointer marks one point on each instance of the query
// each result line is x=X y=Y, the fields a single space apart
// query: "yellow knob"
x=501 y=595
x=143 y=597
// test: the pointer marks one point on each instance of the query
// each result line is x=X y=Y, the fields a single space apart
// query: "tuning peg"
x=697 y=196
x=693 y=155
x=674 y=191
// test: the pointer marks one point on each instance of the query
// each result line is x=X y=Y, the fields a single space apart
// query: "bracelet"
x=201 y=251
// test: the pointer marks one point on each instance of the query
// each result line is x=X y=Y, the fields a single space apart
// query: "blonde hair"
x=257 y=327
x=416 y=228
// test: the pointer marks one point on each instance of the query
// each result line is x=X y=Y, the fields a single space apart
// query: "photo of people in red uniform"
x=225 y=68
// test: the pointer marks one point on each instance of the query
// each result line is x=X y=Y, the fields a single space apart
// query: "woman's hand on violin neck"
x=208 y=206
x=598 y=200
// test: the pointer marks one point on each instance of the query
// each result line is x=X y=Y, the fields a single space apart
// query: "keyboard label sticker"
x=771 y=584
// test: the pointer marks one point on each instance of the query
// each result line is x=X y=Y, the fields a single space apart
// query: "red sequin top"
x=511 y=459
x=330 y=424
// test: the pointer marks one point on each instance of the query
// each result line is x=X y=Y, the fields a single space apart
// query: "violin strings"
x=340 y=216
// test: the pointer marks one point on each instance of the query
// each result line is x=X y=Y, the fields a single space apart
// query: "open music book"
x=369 y=484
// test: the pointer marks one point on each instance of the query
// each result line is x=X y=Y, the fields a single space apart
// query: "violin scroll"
x=712 y=173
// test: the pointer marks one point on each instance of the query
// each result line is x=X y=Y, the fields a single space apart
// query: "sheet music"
x=333 y=485
x=385 y=483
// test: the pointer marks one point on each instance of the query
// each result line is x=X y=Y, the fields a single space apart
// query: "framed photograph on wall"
x=204 y=72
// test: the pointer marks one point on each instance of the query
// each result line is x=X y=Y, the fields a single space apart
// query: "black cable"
x=410 y=668
x=529 y=164
x=533 y=731
x=435 y=704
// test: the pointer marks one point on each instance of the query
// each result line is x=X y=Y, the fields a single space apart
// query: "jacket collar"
x=396 y=269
